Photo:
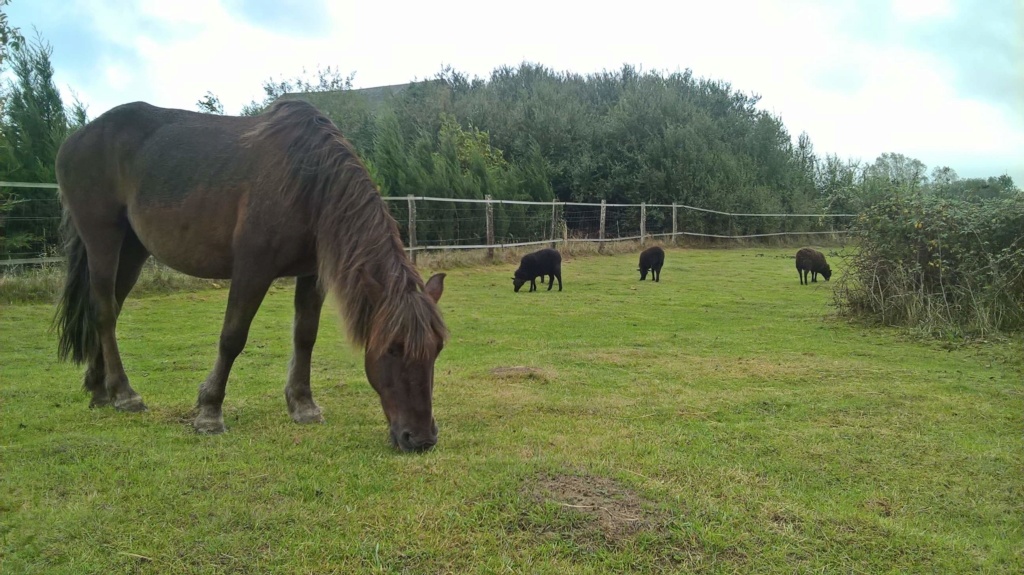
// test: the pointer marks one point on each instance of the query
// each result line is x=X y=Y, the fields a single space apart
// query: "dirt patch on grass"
x=579 y=514
x=782 y=520
x=745 y=367
x=523 y=372
x=619 y=358
x=614 y=509
x=751 y=367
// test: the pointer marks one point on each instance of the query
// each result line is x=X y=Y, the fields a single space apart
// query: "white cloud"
x=118 y=77
x=180 y=12
x=917 y=10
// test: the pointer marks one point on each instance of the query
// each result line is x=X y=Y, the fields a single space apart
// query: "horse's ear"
x=376 y=288
x=435 y=286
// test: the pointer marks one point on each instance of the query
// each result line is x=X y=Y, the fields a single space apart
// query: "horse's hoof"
x=131 y=405
x=209 y=426
x=313 y=415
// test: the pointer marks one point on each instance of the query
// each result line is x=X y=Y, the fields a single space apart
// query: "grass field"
x=721 y=421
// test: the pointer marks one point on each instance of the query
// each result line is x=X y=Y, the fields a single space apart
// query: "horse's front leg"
x=308 y=302
x=244 y=299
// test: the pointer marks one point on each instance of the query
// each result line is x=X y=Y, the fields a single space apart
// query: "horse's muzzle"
x=411 y=442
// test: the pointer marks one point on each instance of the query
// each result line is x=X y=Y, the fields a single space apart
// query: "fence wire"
x=427 y=223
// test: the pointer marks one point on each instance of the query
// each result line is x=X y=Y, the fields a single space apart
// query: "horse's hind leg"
x=104 y=245
x=133 y=256
x=308 y=302
x=248 y=288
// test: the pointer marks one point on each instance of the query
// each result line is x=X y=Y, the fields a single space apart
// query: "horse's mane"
x=359 y=250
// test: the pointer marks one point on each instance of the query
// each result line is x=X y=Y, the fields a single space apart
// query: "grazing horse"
x=249 y=199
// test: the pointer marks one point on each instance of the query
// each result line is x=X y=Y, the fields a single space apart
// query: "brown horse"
x=252 y=199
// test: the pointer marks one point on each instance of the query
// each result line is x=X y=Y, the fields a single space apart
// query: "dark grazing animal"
x=811 y=262
x=651 y=260
x=539 y=263
x=252 y=199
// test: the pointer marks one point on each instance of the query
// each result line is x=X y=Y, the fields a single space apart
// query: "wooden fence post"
x=600 y=245
x=554 y=221
x=675 y=228
x=490 y=227
x=643 y=222
x=412 y=226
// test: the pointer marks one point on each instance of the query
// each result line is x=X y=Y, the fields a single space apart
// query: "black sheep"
x=652 y=259
x=539 y=263
x=813 y=262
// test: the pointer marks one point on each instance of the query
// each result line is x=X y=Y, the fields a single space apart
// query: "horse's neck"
x=368 y=248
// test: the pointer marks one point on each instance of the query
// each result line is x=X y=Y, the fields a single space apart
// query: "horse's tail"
x=76 y=317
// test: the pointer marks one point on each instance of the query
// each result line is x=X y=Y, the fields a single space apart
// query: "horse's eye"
x=396 y=349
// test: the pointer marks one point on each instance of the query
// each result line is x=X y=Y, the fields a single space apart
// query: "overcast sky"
x=937 y=80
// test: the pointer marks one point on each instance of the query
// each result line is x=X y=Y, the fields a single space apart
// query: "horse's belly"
x=195 y=244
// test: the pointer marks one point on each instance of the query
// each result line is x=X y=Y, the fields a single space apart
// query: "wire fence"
x=430 y=223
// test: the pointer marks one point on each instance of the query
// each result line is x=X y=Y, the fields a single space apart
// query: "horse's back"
x=181 y=180
x=90 y=155
x=139 y=145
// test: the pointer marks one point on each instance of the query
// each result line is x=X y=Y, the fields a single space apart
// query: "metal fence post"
x=600 y=245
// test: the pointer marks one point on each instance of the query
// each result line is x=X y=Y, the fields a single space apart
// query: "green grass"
x=44 y=283
x=720 y=421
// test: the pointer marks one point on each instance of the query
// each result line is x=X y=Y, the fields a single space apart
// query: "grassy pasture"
x=720 y=421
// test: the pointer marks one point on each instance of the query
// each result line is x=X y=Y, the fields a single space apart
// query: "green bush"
x=945 y=266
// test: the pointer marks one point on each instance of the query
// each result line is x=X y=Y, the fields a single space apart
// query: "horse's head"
x=404 y=379
x=827 y=272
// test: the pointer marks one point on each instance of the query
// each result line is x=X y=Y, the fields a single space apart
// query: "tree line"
x=524 y=133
